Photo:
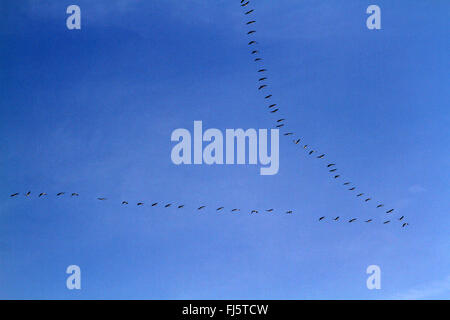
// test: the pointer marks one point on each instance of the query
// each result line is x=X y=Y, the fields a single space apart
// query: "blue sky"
x=91 y=111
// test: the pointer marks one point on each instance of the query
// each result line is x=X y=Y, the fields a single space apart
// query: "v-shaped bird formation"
x=281 y=122
x=273 y=108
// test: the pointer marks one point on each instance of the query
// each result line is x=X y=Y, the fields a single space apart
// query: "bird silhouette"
x=262 y=86
x=368 y=199
x=154 y=204
x=330 y=165
x=401 y=218
x=251 y=31
x=336 y=219
x=124 y=202
x=321 y=156
x=405 y=224
x=289 y=211
x=167 y=205
x=244 y=4
x=140 y=204
x=250 y=22
x=252 y=42
x=42 y=194
x=359 y=195
x=180 y=206
x=74 y=194
x=220 y=208
x=321 y=218
x=267 y=97
x=273 y=111
x=386 y=222
x=15 y=194
x=380 y=205
x=352 y=188
x=248 y=12
x=201 y=207
x=60 y=193
x=28 y=194
x=269 y=210
x=101 y=199
x=370 y=220
x=351 y=220
x=389 y=211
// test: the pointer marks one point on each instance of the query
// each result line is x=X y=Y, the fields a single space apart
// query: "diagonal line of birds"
x=273 y=108
x=201 y=208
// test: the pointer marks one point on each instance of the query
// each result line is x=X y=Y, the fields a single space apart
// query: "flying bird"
x=201 y=207
x=346 y=183
x=336 y=176
x=280 y=125
x=248 y=12
x=389 y=211
x=321 y=156
x=336 y=219
x=405 y=224
x=289 y=211
x=288 y=133
x=262 y=79
x=273 y=111
x=401 y=218
x=370 y=220
x=262 y=86
x=74 y=194
x=262 y=70
x=359 y=195
x=140 y=204
x=321 y=218
x=220 y=208
x=386 y=222
x=60 y=193
x=255 y=51
x=269 y=210
x=15 y=194
x=101 y=199
x=250 y=22
x=297 y=141
x=42 y=194
x=251 y=31
x=311 y=152
x=330 y=165
x=258 y=59
x=154 y=204
x=267 y=97
x=180 y=206
x=352 y=188
x=124 y=202
x=272 y=105
x=244 y=4
x=28 y=193
x=233 y=210
x=332 y=170
x=279 y=120
x=252 y=42
x=368 y=199
x=254 y=211
x=351 y=220
x=167 y=205
x=380 y=205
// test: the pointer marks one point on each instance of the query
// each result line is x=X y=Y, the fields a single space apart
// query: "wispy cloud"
x=436 y=289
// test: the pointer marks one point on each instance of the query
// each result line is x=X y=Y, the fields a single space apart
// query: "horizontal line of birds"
x=280 y=123
x=180 y=206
